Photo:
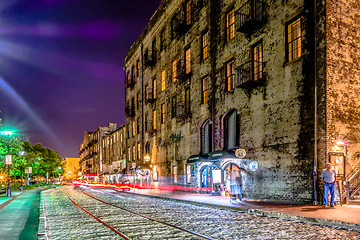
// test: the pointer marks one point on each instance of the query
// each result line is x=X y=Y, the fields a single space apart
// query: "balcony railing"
x=182 y=110
x=130 y=111
x=182 y=77
x=249 y=75
x=150 y=97
x=181 y=27
x=149 y=127
x=130 y=83
x=150 y=61
x=250 y=16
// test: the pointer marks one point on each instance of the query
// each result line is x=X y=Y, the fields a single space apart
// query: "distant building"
x=114 y=156
x=91 y=154
x=72 y=168
x=267 y=88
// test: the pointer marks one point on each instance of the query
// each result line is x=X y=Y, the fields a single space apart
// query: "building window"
x=231 y=130
x=154 y=119
x=162 y=40
x=129 y=132
x=163 y=80
x=188 y=60
x=132 y=74
x=153 y=50
x=139 y=150
x=188 y=12
x=147 y=148
x=187 y=101
x=133 y=128
x=230 y=25
x=229 y=75
x=173 y=106
x=134 y=152
x=154 y=88
x=173 y=21
x=174 y=70
x=138 y=100
x=163 y=113
x=205 y=45
x=206 y=137
x=294 y=39
x=205 y=90
x=138 y=68
x=138 y=125
x=147 y=92
x=258 y=61
x=146 y=121
x=129 y=153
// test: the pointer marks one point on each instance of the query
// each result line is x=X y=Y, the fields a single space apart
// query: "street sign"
x=8 y=159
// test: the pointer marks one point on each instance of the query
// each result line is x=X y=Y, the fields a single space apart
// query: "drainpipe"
x=315 y=109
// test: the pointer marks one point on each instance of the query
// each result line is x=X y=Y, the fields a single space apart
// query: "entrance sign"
x=240 y=153
x=253 y=166
x=8 y=159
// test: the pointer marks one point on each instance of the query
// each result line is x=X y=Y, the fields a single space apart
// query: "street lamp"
x=39 y=184
x=8 y=159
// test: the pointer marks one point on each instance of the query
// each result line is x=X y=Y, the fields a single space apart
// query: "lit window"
x=205 y=90
x=147 y=92
x=129 y=153
x=230 y=25
x=139 y=150
x=133 y=128
x=188 y=12
x=163 y=113
x=230 y=75
x=154 y=119
x=188 y=60
x=294 y=40
x=258 y=62
x=134 y=152
x=187 y=100
x=154 y=88
x=205 y=45
x=163 y=80
x=174 y=70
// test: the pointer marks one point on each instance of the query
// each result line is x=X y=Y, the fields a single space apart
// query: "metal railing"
x=182 y=110
x=352 y=186
x=247 y=75
x=250 y=15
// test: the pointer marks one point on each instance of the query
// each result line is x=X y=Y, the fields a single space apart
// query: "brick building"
x=266 y=88
x=91 y=152
x=114 y=157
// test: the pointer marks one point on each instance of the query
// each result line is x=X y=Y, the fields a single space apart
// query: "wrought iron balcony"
x=249 y=75
x=250 y=16
x=130 y=111
x=181 y=27
x=150 y=97
x=130 y=83
x=149 y=127
x=182 y=110
x=182 y=77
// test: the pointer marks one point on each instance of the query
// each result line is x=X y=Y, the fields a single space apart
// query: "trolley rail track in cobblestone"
x=131 y=212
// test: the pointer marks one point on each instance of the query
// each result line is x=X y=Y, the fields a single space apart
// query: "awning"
x=92 y=175
x=197 y=158
x=218 y=155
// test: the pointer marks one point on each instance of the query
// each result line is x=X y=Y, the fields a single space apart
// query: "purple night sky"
x=61 y=66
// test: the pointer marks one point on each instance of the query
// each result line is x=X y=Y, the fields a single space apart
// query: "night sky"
x=61 y=66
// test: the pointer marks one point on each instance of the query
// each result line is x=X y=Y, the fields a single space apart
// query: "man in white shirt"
x=328 y=177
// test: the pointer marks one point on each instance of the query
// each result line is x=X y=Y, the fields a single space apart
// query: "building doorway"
x=231 y=171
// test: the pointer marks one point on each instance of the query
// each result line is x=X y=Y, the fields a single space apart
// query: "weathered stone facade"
x=275 y=113
x=114 y=157
x=91 y=154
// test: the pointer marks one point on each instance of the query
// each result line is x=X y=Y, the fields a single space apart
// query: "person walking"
x=235 y=186
x=328 y=177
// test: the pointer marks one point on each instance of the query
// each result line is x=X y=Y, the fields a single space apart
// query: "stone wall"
x=343 y=77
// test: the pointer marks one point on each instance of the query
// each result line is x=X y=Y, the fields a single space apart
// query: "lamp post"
x=8 y=159
x=21 y=153
x=39 y=184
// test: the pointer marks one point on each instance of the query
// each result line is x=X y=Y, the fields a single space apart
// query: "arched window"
x=231 y=130
x=147 y=148
x=206 y=137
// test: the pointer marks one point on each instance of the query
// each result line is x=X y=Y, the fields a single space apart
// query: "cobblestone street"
x=66 y=221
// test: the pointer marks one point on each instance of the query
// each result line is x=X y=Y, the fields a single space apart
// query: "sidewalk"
x=19 y=215
x=346 y=216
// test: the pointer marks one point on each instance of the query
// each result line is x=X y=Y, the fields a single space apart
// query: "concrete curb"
x=288 y=217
